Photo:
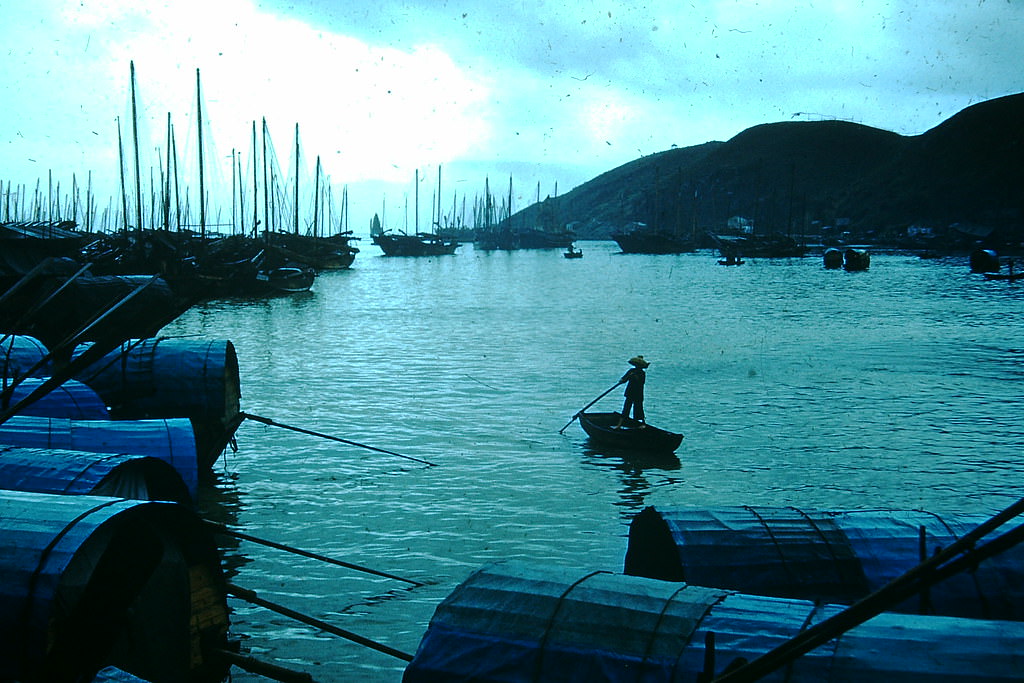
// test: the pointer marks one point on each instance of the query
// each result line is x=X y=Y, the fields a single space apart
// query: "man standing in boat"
x=634 y=380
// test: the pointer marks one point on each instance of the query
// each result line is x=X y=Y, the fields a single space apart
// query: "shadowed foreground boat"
x=602 y=430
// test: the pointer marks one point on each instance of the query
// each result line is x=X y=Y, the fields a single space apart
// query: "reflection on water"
x=794 y=385
x=635 y=471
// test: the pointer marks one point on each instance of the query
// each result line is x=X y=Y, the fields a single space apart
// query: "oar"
x=223 y=529
x=272 y=423
x=250 y=596
x=584 y=408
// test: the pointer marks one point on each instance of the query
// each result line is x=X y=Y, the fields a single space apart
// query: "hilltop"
x=963 y=177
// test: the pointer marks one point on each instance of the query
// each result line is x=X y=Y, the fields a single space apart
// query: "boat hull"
x=601 y=429
x=645 y=241
x=415 y=245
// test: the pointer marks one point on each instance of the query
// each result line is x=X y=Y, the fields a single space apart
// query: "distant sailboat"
x=418 y=244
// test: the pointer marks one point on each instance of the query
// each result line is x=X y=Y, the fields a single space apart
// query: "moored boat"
x=831 y=557
x=420 y=244
x=832 y=258
x=284 y=280
x=644 y=239
x=520 y=621
x=856 y=259
x=88 y=582
x=603 y=430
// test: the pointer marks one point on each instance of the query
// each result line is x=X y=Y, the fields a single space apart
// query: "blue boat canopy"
x=88 y=582
x=48 y=470
x=71 y=399
x=19 y=354
x=517 y=622
x=196 y=379
x=827 y=556
x=168 y=440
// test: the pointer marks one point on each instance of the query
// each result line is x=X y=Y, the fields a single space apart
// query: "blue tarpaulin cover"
x=48 y=470
x=89 y=581
x=829 y=556
x=19 y=354
x=169 y=378
x=71 y=399
x=169 y=440
x=516 y=621
x=163 y=377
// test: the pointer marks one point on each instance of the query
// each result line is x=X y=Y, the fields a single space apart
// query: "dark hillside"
x=967 y=170
x=797 y=176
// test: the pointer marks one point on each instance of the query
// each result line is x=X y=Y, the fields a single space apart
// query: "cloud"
x=559 y=92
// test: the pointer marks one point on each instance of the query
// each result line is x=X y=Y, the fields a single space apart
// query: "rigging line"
x=223 y=529
x=250 y=596
x=273 y=423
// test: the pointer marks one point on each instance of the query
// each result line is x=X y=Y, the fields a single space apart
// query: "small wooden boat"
x=572 y=252
x=632 y=435
x=1012 y=277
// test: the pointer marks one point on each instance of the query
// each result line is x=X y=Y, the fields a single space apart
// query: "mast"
x=438 y=221
x=417 y=204
x=177 y=185
x=296 y=178
x=202 y=185
x=88 y=202
x=316 y=200
x=344 y=209
x=235 y=191
x=255 y=188
x=266 y=187
x=167 y=180
x=135 y=140
x=120 y=158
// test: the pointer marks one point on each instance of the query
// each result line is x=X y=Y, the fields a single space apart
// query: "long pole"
x=272 y=423
x=221 y=528
x=135 y=141
x=296 y=228
x=266 y=187
x=316 y=200
x=120 y=158
x=584 y=408
x=255 y=187
x=202 y=185
x=250 y=596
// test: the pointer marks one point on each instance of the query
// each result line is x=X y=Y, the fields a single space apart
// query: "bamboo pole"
x=250 y=596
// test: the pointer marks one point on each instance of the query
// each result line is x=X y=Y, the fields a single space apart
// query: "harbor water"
x=898 y=387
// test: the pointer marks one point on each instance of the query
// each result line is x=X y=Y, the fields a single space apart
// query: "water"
x=896 y=387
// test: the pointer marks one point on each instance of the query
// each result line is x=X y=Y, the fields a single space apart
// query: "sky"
x=549 y=95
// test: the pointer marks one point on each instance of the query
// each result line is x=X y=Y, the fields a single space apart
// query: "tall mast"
x=177 y=185
x=236 y=205
x=88 y=202
x=296 y=178
x=437 y=222
x=135 y=140
x=120 y=158
x=255 y=188
x=417 y=204
x=266 y=187
x=202 y=185
x=316 y=200
x=167 y=180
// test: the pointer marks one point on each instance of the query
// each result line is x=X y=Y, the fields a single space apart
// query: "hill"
x=964 y=176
